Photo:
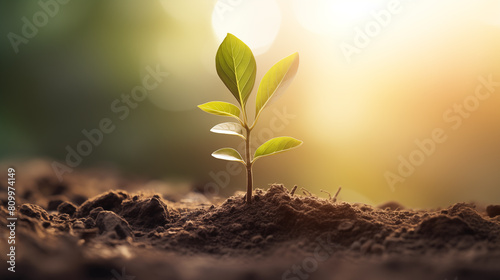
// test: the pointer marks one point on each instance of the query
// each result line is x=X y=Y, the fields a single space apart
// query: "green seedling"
x=237 y=69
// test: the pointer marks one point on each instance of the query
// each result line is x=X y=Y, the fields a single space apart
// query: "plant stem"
x=249 y=166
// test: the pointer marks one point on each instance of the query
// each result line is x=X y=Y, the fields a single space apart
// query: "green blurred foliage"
x=65 y=78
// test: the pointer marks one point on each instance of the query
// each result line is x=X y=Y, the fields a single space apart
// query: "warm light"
x=255 y=22
x=325 y=17
x=493 y=15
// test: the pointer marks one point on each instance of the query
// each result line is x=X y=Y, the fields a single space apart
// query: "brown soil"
x=131 y=234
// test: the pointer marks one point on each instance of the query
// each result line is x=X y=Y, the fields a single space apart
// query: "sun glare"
x=256 y=22
x=325 y=17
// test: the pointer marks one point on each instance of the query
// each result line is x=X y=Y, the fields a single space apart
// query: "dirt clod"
x=54 y=202
x=67 y=208
x=33 y=211
x=109 y=222
x=147 y=212
x=444 y=227
x=493 y=210
x=109 y=201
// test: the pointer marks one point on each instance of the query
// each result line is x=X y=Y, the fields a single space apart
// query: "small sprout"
x=337 y=194
x=236 y=67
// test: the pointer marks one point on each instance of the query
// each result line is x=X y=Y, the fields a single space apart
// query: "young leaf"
x=230 y=128
x=228 y=154
x=276 y=145
x=236 y=67
x=220 y=108
x=276 y=81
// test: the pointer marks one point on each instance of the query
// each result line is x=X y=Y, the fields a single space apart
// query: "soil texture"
x=95 y=226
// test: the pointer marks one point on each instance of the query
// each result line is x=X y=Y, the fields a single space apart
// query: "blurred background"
x=374 y=77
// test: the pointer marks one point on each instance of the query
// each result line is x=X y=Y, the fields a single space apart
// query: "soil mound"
x=161 y=239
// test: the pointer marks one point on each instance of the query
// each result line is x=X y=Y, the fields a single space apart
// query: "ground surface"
x=95 y=226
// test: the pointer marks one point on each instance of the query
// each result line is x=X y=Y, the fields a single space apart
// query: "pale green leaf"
x=236 y=67
x=276 y=81
x=220 y=108
x=228 y=154
x=229 y=128
x=276 y=145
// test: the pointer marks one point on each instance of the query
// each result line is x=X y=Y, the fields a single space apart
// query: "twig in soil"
x=329 y=194
x=293 y=190
x=306 y=192
x=337 y=194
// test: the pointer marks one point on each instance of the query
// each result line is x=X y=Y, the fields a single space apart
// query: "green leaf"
x=276 y=145
x=236 y=67
x=229 y=128
x=228 y=154
x=276 y=81
x=220 y=108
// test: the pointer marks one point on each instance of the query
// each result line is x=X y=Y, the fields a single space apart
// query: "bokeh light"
x=327 y=17
x=255 y=22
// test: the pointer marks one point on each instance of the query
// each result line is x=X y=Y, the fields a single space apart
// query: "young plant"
x=236 y=68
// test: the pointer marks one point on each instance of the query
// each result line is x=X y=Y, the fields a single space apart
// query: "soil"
x=80 y=229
